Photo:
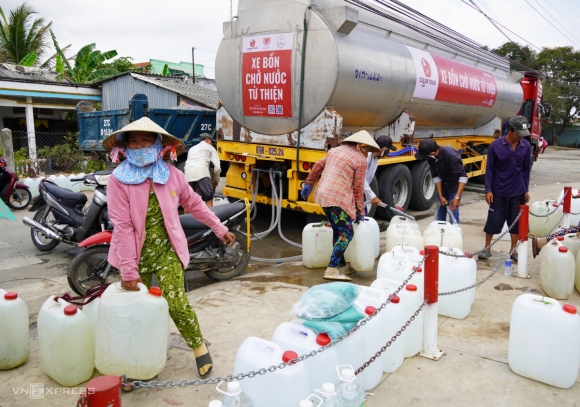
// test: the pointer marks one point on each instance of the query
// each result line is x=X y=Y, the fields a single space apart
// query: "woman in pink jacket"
x=143 y=196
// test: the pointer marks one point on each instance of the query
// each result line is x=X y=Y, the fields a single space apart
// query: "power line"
x=490 y=10
x=549 y=22
x=554 y=18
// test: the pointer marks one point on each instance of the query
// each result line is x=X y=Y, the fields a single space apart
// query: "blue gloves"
x=306 y=190
x=360 y=218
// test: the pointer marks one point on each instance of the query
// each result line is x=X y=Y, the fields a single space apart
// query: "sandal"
x=202 y=361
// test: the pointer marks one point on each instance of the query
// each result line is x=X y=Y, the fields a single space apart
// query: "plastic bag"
x=325 y=300
x=337 y=325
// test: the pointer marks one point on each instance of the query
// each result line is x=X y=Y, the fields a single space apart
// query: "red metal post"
x=431 y=274
x=523 y=225
x=104 y=391
x=567 y=199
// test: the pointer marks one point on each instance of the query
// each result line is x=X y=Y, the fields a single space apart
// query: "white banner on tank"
x=427 y=78
x=268 y=42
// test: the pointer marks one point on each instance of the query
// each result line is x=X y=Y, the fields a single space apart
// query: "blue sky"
x=168 y=29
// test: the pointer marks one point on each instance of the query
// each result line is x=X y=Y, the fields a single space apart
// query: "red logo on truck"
x=253 y=43
x=426 y=67
x=266 y=40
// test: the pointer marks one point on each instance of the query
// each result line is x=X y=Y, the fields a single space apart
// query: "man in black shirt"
x=448 y=174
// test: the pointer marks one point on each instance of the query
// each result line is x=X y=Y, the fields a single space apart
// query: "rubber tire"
x=418 y=200
x=375 y=188
x=77 y=261
x=242 y=265
x=387 y=180
x=25 y=191
x=38 y=217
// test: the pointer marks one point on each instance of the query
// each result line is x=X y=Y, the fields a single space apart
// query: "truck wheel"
x=394 y=188
x=423 y=188
x=371 y=209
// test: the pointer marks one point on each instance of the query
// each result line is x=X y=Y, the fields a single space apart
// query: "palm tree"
x=20 y=36
x=87 y=65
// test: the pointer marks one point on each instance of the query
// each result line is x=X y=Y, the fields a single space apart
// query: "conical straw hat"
x=117 y=139
x=363 y=137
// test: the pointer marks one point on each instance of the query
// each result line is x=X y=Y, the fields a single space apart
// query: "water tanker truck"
x=330 y=67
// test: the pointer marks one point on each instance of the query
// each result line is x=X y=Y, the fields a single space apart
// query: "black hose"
x=301 y=102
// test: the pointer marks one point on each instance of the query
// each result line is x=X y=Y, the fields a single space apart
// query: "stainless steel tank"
x=368 y=68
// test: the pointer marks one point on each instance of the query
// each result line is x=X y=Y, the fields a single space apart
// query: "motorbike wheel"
x=40 y=240
x=244 y=258
x=19 y=198
x=86 y=268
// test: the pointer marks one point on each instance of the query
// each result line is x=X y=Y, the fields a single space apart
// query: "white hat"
x=363 y=137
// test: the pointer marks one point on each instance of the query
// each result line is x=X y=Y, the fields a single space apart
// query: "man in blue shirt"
x=507 y=178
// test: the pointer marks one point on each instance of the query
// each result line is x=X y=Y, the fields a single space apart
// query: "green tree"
x=518 y=54
x=20 y=36
x=561 y=65
x=87 y=66
x=121 y=64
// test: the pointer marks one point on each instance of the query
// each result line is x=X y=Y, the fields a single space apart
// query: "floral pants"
x=342 y=234
x=159 y=258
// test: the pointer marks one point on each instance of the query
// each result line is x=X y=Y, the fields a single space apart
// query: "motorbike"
x=207 y=253
x=15 y=194
x=61 y=215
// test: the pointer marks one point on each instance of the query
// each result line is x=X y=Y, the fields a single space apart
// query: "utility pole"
x=193 y=62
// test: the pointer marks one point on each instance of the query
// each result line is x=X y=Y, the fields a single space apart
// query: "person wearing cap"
x=386 y=145
x=448 y=175
x=507 y=178
x=197 y=168
x=340 y=193
x=143 y=195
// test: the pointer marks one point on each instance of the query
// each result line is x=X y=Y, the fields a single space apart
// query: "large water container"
x=404 y=237
x=75 y=186
x=360 y=253
x=67 y=349
x=577 y=274
x=374 y=332
x=316 y=245
x=132 y=334
x=439 y=224
x=571 y=241
x=574 y=208
x=394 y=318
x=396 y=265
x=31 y=184
x=411 y=300
x=14 y=348
x=443 y=234
x=352 y=351
x=91 y=310
x=63 y=181
x=376 y=234
x=543 y=226
x=454 y=274
x=283 y=387
x=401 y=220
x=544 y=338
x=302 y=340
x=557 y=270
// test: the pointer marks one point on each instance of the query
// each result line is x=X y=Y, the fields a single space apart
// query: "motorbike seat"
x=64 y=193
x=223 y=212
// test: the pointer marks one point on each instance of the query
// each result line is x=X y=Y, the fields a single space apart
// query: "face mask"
x=141 y=157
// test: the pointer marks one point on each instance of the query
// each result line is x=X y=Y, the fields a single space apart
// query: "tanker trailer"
x=329 y=67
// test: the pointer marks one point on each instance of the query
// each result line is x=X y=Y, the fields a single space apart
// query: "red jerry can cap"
x=422 y=252
x=569 y=308
x=563 y=249
x=70 y=310
x=322 y=339
x=560 y=238
x=10 y=296
x=411 y=287
x=395 y=300
x=419 y=269
x=370 y=310
x=289 y=355
x=156 y=291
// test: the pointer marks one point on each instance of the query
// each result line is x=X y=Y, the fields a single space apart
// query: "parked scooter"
x=60 y=213
x=206 y=252
x=15 y=194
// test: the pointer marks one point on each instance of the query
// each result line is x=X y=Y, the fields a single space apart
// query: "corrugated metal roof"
x=22 y=73
x=197 y=93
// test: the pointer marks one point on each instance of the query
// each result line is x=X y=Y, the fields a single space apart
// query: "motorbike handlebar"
x=77 y=179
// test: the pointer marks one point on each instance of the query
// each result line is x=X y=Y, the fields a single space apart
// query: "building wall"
x=157 y=66
x=117 y=93
x=569 y=137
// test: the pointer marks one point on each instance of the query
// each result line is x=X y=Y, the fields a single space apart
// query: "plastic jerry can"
x=234 y=396
x=557 y=270
x=572 y=242
x=577 y=274
x=374 y=226
x=394 y=319
x=352 y=351
x=414 y=254
x=283 y=387
x=543 y=342
x=438 y=225
x=316 y=245
x=302 y=340
x=404 y=237
x=14 y=337
x=132 y=338
x=91 y=311
x=67 y=349
x=374 y=332
x=315 y=402
x=454 y=274
x=574 y=207
x=402 y=221
x=349 y=393
x=329 y=396
x=395 y=265
x=359 y=253
x=543 y=226
x=411 y=300
x=443 y=234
